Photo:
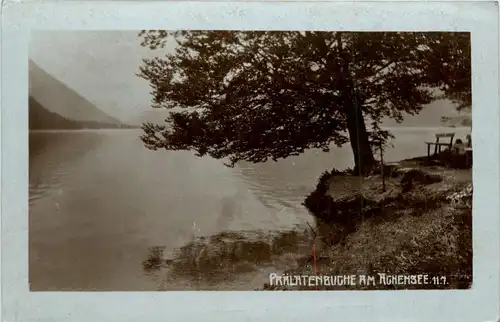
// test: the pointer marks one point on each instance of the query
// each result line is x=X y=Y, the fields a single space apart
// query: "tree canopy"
x=449 y=67
x=259 y=95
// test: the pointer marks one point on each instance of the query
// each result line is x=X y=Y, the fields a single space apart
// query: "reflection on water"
x=99 y=201
x=239 y=258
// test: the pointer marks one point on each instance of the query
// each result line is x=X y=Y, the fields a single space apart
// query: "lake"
x=99 y=200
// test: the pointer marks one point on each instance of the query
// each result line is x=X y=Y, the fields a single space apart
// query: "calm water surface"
x=99 y=201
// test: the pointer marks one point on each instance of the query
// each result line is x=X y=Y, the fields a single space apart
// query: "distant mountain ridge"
x=431 y=115
x=53 y=105
x=461 y=120
x=41 y=118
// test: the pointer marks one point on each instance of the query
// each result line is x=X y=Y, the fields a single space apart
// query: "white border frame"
x=478 y=304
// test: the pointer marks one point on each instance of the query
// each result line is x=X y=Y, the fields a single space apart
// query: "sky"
x=99 y=65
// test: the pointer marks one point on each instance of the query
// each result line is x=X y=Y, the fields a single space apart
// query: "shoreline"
x=420 y=224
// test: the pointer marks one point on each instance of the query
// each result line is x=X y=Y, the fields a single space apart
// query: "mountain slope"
x=42 y=119
x=59 y=98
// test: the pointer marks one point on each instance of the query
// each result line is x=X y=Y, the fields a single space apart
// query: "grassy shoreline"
x=421 y=223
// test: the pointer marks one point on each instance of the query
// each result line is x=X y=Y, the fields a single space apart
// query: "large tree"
x=266 y=94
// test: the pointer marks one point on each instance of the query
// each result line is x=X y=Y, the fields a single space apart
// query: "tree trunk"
x=358 y=135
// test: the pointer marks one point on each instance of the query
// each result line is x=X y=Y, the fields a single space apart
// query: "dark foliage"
x=449 y=66
x=256 y=96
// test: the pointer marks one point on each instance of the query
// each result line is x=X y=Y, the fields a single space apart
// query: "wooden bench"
x=437 y=145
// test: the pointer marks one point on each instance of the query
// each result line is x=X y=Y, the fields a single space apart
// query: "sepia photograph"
x=239 y=160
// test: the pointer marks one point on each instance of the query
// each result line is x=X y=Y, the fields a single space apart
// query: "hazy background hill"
x=53 y=105
x=438 y=113
x=461 y=120
x=42 y=119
